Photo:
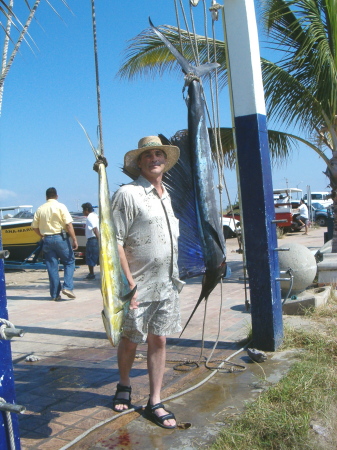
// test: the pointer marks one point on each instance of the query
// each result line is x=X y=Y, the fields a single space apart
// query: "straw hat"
x=146 y=143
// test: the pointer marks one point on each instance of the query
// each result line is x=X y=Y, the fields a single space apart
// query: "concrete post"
x=254 y=171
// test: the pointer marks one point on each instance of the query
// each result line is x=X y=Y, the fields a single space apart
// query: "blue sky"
x=45 y=92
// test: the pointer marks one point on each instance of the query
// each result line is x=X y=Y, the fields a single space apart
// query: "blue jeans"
x=92 y=252
x=55 y=248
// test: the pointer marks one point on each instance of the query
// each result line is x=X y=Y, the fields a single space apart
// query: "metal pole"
x=254 y=168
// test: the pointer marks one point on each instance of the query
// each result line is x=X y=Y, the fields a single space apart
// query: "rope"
x=100 y=160
x=291 y=274
x=9 y=423
x=195 y=35
x=206 y=30
x=178 y=26
x=189 y=78
x=98 y=91
x=219 y=151
x=6 y=324
x=187 y=29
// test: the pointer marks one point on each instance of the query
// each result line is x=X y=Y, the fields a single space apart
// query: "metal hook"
x=215 y=10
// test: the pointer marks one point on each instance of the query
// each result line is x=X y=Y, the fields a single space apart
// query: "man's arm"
x=71 y=232
x=126 y=269
x=96 y=232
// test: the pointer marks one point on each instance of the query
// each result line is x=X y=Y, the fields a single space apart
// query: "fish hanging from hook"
x=201 y=178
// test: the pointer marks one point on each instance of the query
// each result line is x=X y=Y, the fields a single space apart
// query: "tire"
x=321 y=221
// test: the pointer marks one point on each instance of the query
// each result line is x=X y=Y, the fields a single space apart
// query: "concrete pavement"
x=68 y=390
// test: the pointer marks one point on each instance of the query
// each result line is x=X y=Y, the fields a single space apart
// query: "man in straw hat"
x=147 y=233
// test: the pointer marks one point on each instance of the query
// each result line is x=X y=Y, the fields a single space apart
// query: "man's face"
x=152 y=162
x=86 y=212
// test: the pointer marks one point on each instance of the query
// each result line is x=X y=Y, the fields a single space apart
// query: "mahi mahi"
x=209 y=222
x=115 y=291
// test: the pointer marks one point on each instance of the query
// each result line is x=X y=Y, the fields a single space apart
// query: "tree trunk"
x=333 y=183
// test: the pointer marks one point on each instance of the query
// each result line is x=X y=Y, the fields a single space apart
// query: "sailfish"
x=195 y=171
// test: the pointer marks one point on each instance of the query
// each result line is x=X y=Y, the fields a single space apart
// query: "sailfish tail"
x=209 y=281
x=185 y=65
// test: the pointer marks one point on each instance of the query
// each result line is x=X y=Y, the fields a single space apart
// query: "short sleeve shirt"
x=91 y=223
x=51 y=217
x=148 y=230
x=303 y=210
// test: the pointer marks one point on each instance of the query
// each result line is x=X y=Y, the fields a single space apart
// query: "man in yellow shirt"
x=53 y=223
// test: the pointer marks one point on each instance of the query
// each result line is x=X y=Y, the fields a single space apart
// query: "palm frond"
x=281 y=146
x=289 y=101
x=147 y=56
x=306 y=31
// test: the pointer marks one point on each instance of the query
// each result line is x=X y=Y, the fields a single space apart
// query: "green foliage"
x=300 y=89
x=280 y=418
x=146 y=54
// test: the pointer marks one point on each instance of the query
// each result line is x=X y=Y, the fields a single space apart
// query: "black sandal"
x=159 y=420
x=121 y=401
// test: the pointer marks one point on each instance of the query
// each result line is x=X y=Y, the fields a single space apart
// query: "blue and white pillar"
x=9 y=432
x=254 y=171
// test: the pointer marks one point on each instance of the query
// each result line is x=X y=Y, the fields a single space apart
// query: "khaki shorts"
x=159 y=318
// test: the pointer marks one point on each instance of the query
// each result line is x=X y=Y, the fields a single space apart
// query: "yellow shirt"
x=51 y=217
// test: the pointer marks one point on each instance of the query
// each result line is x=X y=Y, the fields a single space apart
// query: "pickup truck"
x=321 y=213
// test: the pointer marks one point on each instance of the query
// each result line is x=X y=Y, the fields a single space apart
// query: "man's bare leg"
x=306 y=227
x=126 y=355
x=156 y=357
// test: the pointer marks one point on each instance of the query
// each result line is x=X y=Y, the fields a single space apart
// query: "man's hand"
x=126 y=269
x=74 y=244
x=71 y=232
x=134 y=304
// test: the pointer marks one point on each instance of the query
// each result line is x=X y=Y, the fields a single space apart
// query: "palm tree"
x=8 y=11
x=300 y=89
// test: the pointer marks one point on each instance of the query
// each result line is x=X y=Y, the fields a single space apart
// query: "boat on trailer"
x=19 y=238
